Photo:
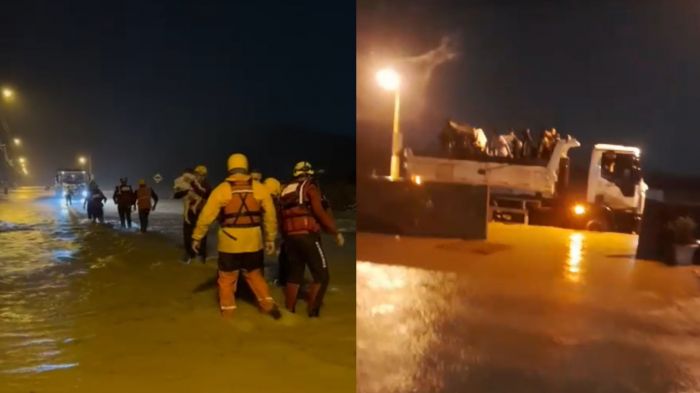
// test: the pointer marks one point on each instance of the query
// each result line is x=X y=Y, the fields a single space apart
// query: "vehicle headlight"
x=579 y=209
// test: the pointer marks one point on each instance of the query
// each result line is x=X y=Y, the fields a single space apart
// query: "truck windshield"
x=72 y=178
x=623 y=169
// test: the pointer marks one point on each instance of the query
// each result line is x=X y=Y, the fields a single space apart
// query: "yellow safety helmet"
x=273 y=185
x=256 y=175
x=237 y=163
x=200 y=170
x=303 y=168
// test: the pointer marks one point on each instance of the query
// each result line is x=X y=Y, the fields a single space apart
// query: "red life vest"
x=297 y=216
x=243 y=210
x=143 y=197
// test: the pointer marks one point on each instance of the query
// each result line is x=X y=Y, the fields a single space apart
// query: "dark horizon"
x=158 y=86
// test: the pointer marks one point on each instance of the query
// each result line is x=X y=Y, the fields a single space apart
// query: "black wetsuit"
x=124 y=199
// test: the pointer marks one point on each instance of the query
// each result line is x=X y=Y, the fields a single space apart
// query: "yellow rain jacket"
x=238 y=239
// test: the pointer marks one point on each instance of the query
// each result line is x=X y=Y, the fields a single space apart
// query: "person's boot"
x=291 y=291
x=312 y=300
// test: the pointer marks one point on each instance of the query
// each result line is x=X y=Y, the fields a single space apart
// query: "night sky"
x=605 y=71
x=148 y=86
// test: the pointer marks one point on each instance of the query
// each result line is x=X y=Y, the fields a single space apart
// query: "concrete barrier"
x=435 y=210
x=655 y=239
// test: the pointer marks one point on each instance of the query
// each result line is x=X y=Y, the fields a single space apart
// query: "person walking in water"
x=303 y=217
x=69 y=196
x=124 y=198
x=144 y=195
x=94 y=203
x=246 y=213
x=194 y=198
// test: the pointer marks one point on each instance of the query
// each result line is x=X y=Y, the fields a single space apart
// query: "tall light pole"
x=390 y=80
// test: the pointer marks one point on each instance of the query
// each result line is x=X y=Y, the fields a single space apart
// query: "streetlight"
x=86 y=160
x=390 y=80
x=22 y=160
x=8 y=93
x=17 y=141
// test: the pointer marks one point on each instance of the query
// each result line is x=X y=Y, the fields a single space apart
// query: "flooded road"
x=87 y=307
x=532 y=309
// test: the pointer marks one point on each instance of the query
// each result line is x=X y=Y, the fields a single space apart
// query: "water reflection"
x=399 y=311
x=574 y=256
x=41 y=368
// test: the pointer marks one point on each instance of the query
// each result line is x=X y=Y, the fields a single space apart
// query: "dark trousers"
x=69 y=200
x=124 y=215
x=187 y=230
x=283 y=264
x=96 y=212
x=306 y=250
x=143 y=219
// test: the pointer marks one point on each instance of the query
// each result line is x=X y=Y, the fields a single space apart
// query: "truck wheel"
x=597 y=225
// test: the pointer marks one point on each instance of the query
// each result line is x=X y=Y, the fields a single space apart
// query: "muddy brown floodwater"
x=533 y=309
x=90 y=308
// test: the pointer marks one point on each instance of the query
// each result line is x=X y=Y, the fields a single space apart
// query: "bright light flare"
x=579 y=209
x=388 y=79
x=17 y=141
x=82 y=160
x=22 y=160
x=8 y=93
x=417 y=180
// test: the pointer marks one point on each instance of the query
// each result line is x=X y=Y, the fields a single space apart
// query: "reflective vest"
x=243 y=210
x=297 y=216
x=143 y=197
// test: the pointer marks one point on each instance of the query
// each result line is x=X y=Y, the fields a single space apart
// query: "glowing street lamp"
x=86 y=160
x=390 y=80
x=22 y=160
x=17 y=141
x=8 y=93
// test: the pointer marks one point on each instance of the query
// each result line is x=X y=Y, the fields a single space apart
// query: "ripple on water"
x=41 y=368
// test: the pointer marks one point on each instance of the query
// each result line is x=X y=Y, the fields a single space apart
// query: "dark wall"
x=435 y=210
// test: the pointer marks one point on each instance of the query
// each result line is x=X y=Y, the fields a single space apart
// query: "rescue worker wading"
x=144 y=194
x=303 y=217
x=201 y=189
x=244 y=208
x=124 y=198
x=94 y=203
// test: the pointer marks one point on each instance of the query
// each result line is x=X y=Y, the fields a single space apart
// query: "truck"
x=74 y=179
x=536 y=191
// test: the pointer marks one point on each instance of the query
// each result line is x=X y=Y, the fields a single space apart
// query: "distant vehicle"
x=537 y=191
x=75 y=179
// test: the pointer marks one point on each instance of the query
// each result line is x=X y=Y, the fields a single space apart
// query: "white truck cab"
x=615 y=179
